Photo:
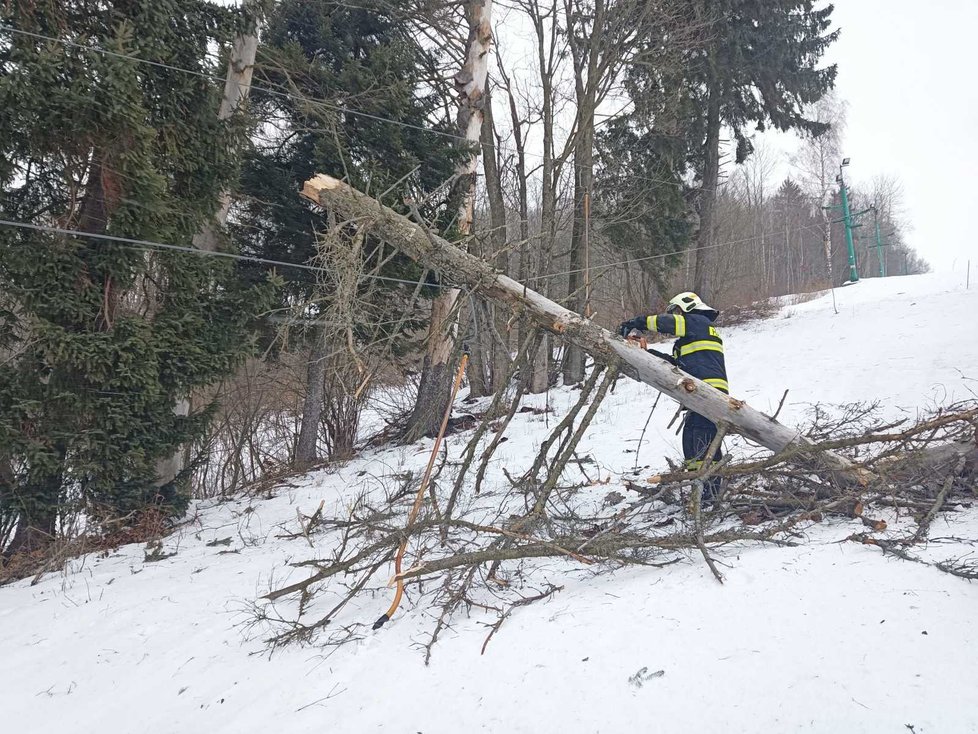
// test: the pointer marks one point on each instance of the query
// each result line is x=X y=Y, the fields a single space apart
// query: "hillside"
x=819 y=637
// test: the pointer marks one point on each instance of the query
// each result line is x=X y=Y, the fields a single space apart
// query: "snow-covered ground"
x=823 y=637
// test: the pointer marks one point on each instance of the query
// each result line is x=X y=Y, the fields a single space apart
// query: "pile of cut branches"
x=489 y=551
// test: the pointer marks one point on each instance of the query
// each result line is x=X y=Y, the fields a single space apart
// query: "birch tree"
x=470 y=81
x=818 y=164
x=237 y=87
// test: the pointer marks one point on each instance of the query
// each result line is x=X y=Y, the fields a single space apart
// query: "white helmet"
x=689 y=301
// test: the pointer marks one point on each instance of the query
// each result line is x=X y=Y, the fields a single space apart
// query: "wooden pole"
x=436 y=253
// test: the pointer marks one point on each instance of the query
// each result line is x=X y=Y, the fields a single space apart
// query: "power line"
x=314 y=268
x=299 y=98
x=671 y=254
x=214 y=77
x=193 y=250
x=335 y=108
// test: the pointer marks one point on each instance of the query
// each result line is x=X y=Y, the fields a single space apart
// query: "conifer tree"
x=99 y=337
x=758 y=65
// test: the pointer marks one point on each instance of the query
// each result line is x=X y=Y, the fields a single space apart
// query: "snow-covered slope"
x=824 y=637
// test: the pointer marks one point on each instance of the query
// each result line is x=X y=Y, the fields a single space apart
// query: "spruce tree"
x=734 y=65
x=360 y=104
x=641 y=200
x=757 y=65
x=98 y=338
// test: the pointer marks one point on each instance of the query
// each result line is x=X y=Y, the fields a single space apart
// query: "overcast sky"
x=907 y=71
x=907 y=74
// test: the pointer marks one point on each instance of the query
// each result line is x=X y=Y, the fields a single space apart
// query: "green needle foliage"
x=734 y=66
x=99 y=339
x=762 y=58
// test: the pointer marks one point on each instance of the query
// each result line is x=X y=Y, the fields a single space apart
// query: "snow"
x=821 y=637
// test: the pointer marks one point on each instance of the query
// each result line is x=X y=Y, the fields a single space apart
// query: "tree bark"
x=438 y=254
x=306 y=446
x=587 y=78
x=436 y=376
x=237 y=87
x=703 y=275
x=827 y=235
x=547 y=34
x=498 y=238
x=577 y=277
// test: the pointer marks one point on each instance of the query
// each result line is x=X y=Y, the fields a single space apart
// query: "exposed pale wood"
x=453 y=264
x=470 y=83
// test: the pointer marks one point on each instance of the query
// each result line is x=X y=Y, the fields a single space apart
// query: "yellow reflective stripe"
x=650 y=323
x=693 y=464
x=718 y=382
x=700 y=346
x=680 y=324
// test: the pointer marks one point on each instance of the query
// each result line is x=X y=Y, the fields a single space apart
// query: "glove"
x=662 y=355
x=626 y=326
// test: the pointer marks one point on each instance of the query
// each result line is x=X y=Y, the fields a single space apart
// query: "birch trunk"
x=827 y=235
x=443 y=257
x=237 y=87
x=435 y=387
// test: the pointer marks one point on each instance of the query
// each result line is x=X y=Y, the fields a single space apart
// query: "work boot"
x=711 y=490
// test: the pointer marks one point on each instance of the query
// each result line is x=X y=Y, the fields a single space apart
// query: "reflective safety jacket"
x=699 y=348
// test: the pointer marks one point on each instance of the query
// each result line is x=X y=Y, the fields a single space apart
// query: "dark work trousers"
x=698 y=434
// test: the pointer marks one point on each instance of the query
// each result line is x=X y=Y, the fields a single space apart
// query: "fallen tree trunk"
x=436 y=253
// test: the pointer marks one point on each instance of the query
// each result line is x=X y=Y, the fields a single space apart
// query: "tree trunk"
x=547 y=40
x=34 y=532
x=703 y=275
x=473 y=335
x=578 y=275
x=480 y=348
x=587 y=46
x=237 y=87
x=440 y=255
x=523 y=264
x=435 y=388
x=306 y=452
x=498 y=237
x=436 y=374
x=827 y=235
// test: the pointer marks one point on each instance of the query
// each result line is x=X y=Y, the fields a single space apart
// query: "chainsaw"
x=637 y=338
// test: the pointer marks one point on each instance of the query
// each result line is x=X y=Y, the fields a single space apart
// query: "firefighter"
x=697 y=350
